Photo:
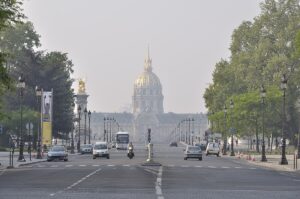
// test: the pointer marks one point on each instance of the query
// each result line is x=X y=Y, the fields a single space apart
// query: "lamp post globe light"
x=79 y=114
x=225 y=134
x=89 y=114
x=232 y=129
x=283 y=160
x=263 y=96
x=38 y=92
x=85 y=113
x=21 y=86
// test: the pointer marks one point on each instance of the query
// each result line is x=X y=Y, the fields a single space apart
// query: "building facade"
x=148 y=113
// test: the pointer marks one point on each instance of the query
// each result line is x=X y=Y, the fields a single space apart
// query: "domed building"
x=148 y=112
x=147 y=93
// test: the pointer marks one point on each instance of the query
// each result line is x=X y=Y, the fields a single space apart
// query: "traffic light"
x=149 y=135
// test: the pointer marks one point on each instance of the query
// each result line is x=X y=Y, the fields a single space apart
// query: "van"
x=100 y=149
x=212 y=149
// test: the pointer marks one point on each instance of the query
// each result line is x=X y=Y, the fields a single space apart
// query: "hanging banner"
x=47 y=117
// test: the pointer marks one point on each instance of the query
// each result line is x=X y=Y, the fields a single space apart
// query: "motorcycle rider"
x=130 y=150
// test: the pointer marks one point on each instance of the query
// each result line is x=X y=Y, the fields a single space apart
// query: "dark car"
x=173 y=144
x=202 y=146
x=87 y=148
x=57 y=153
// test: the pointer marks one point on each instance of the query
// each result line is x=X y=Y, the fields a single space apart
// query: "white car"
x=100 y=149
x=213 y=149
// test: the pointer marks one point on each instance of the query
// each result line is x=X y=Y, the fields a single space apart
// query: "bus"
x=122 y=140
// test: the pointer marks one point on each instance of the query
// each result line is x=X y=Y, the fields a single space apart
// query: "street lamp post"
x=104 y=132
x=89 y=114
x=225 y=134
x=193 y=130
x=85 y=113
x=21 y=86
x=79 y=114
x=189 y=120
x=283 y=160
x=72 y=135
x=232 y=129
x=38 y=92
x=263 y=96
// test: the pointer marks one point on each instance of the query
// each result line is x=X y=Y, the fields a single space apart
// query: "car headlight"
x=49 y=154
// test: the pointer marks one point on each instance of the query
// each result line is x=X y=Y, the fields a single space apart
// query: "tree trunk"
x=256 y=135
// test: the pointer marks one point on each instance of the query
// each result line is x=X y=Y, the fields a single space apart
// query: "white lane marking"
x=96 y=165
x=41 y=166
x=238 y=167
x=111 y=165
x=158 y=183
x=184 y=166
x=252 y=168
x=198 y=166
x=126 y=165
x=54 y=166
x=76 y=183
x=213 y=167
x=225 y=167
x=82 y=165
x=68 y=165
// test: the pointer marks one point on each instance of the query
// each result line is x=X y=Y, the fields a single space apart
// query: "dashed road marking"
x=110 y=165
x=252 y=168
x=54 y=166
x=82 y=165
x=238 y=167
x=158 y=184
x=198 y=166
x=225 y=167
x=213 y=167
x=68 y=165
x=76 y=183
x=96 y=165
x=125 y=165
x=185 y=166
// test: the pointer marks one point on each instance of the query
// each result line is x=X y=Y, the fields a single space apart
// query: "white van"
x=213 y=149
x=100 y=149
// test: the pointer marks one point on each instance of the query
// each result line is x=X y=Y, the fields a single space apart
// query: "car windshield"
x=122 y=138
x=88 y=146
x=58 y=148
x=100 y=146
x=194 y=148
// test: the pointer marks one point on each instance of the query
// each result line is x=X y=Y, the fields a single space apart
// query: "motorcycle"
x=130 y=153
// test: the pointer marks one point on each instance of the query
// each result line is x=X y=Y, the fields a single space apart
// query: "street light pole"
x=21 y=85
x=193 y=130
x=38 y=92
x=85 y=112
x=231 y=107
x=104 y=133
x=79 y=114
x=72 y=135
x=263 y=96
x=283 y=160
x=89 y=114
x=225 y=134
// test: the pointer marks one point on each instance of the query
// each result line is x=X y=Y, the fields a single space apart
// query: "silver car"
x=57 y=153
x=87 y=148
x=193 y=152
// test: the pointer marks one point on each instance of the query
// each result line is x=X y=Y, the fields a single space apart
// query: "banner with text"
x=47 y=118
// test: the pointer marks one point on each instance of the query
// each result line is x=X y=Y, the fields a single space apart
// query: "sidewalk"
x=272 y=161
x=4 y=159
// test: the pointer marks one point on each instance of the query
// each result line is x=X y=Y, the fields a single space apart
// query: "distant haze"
x=107 y=42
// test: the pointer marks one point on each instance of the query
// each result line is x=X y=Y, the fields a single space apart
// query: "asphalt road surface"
x=118 y=177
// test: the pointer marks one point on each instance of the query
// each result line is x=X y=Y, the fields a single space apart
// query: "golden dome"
x=146 y=80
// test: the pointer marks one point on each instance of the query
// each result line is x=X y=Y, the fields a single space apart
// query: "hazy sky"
x=107 y=42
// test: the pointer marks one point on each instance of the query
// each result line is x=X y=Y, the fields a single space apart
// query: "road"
x=119 y=177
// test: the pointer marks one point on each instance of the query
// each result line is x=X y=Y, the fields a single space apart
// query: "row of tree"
x=48 y=70
x=262 y=51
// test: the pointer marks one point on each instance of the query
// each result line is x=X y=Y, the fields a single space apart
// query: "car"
x=57 y=152
x=87 y=148
x=202 y=146
x=213 y=149
x=173 y=144
x=192 y=152
x=100 y=149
